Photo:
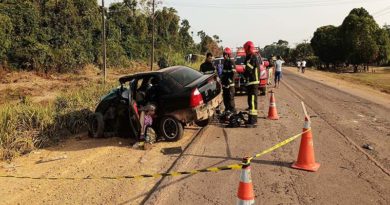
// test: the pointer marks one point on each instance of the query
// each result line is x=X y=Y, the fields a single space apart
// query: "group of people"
x=252 y=72
x=301 y=65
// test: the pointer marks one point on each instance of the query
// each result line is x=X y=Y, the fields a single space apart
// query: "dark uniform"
x=252 y=68
x=207 y=68
x=227 y=80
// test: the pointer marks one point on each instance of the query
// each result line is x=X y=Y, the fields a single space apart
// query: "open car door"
x=134 y=120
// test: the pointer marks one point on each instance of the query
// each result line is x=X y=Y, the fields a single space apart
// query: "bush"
x=27 y=126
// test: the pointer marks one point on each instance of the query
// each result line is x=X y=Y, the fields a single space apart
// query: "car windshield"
x=185 y=75
x=240 y=60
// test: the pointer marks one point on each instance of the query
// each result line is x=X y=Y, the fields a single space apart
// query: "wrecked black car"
x=181 y=96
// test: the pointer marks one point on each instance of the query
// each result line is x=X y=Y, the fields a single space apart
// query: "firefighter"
x=252 y=66
x=227 y=80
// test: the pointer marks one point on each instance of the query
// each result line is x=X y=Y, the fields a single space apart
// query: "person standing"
x=227 y=80
x=208 y=67
x=252 y=66
x=278 y=70
x=303 y=66
x=299 y=65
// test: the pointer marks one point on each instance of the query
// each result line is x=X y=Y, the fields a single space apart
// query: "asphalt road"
x=341 y=124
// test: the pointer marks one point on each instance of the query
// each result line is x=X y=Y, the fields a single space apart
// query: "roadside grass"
x=25 y=126
x=380 y=80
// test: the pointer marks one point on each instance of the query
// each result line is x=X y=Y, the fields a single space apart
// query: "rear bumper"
x=199 y=113
x=207 y=110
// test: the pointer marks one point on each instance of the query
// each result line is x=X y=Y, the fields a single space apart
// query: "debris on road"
x=367 y=146
x=51 y=159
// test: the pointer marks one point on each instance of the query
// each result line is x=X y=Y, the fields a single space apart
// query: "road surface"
x=341 y=123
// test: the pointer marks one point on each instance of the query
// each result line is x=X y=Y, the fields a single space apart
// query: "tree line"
x=359 y=40
x=64 y=35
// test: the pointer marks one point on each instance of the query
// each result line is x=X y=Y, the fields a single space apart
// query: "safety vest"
x=252 y=70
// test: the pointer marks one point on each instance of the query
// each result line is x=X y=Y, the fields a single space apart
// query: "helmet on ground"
x=227 y=51
x=249 y=47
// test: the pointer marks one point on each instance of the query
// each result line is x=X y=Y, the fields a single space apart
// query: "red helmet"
x=227 y=51
x=249 y=47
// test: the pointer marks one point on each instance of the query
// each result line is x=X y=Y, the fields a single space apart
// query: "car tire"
x=170 y=128
x=96 y=125
x=203 y=123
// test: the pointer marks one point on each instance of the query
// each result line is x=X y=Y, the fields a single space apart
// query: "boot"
x=252 y=121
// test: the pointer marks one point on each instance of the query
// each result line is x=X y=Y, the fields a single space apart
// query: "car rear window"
x=240 y=60
x=185 y=76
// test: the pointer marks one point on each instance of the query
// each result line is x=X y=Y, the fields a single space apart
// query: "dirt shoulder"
x=354 y=88
x=81 y=156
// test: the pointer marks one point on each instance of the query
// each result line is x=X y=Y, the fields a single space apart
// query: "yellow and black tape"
x=277 y=146
x=170 y=174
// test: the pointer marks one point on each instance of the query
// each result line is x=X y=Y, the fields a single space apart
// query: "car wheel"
x=171 y=129
x=96 y=125
x=203 y=123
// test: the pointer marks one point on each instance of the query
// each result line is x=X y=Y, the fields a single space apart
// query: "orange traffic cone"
x=245 y=193
x=272 y=112
x=306 y=159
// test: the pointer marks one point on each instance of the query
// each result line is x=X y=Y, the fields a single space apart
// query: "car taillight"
x=196 y=98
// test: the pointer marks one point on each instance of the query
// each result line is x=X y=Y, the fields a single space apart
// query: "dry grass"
x=26 y=124
x=380 y=80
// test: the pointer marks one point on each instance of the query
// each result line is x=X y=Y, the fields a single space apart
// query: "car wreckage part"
x=96 y=125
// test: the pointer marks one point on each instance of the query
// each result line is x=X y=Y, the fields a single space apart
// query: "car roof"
x=150 y=73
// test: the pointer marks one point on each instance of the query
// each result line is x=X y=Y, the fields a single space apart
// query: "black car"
x=182 y=95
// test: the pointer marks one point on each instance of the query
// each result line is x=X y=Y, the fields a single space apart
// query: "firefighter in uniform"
x=227 y=80
x=252 y=66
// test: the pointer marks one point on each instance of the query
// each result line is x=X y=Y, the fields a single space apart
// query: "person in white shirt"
x=299 y=65
x=303 y=66
x=278 y=70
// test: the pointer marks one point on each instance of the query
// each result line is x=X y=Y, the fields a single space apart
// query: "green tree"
x=277 y=48
x=186 y=41
x=358 y=32
x=6 y=30
x=326 y=44
x=209 y=44
x=383 y=41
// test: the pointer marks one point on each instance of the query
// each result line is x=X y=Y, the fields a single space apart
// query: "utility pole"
x=152 y=56
x=104 y=44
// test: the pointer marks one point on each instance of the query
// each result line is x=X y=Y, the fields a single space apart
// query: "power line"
x=265 y=5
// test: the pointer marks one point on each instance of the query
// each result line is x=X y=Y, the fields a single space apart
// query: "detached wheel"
x=96 y=125
x=171 y=129
x=203 y=123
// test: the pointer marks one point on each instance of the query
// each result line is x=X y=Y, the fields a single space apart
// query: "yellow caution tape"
x=172 y=174
x=277 y=146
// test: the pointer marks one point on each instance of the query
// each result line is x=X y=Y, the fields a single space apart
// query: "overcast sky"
x=266 y=21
